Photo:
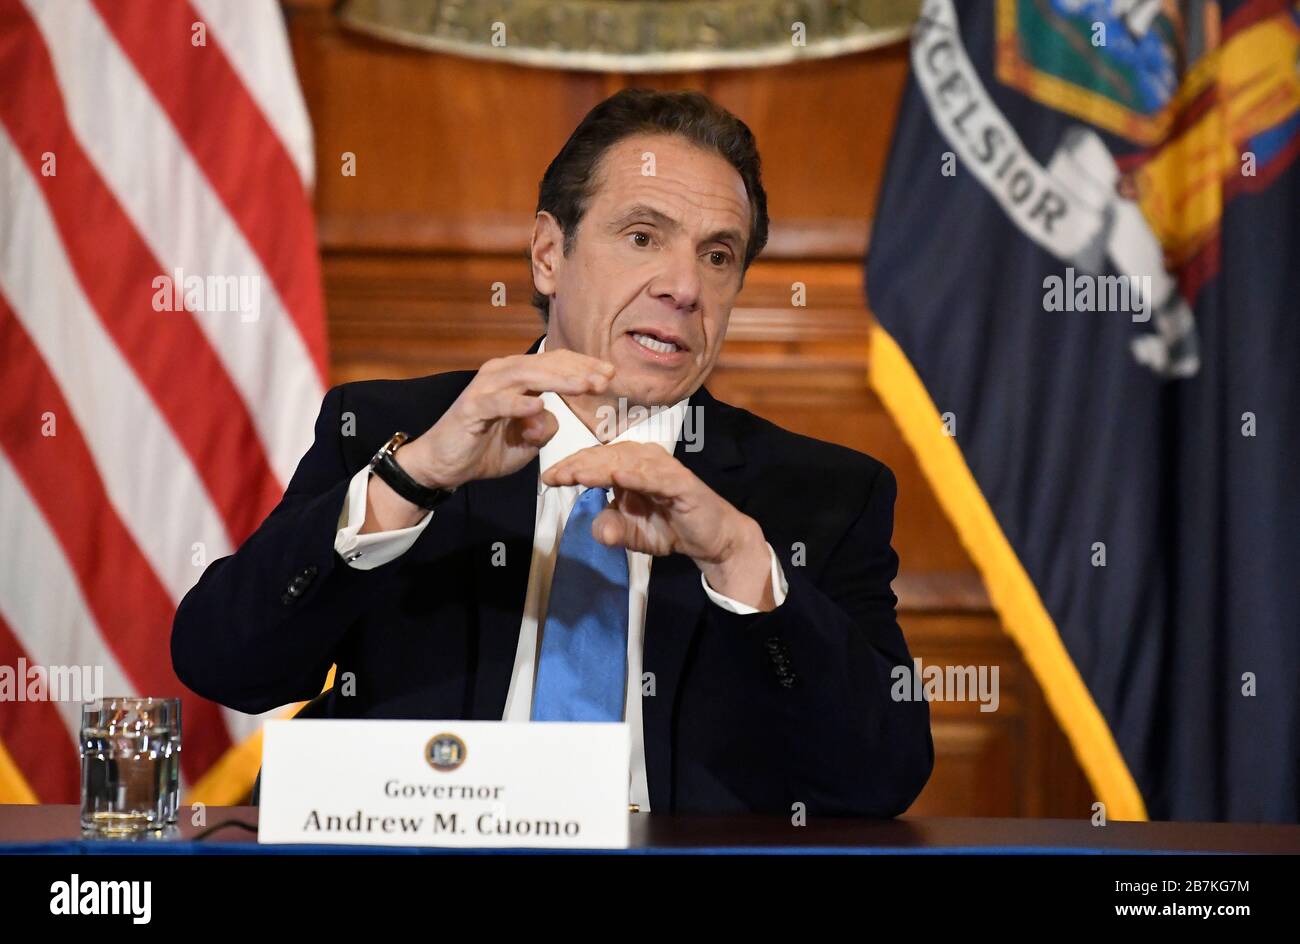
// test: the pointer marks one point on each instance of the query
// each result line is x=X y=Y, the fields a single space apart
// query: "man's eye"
x=719 y=258
x=641 y=234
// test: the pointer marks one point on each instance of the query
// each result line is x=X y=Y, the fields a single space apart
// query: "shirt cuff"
x=368 y=551
x=779 y=589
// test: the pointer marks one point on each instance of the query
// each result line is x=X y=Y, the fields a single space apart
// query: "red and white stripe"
x=176 y=432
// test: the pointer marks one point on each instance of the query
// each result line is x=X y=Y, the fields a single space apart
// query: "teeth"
x=654 y=344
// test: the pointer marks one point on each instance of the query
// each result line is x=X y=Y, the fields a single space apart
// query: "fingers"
x=528 y=420
x=633 y=504
x=640 y=467
x=559 y=371
x=614 y=528
x=609 y=528
x=508 y=387
x=537 y=430
x=507 y=405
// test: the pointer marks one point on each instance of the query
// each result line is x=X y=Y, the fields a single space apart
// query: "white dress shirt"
x=366 y=551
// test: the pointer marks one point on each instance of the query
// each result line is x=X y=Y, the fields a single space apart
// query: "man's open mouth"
x=659 y=343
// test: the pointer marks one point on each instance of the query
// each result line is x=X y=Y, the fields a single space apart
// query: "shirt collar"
x=662 y=425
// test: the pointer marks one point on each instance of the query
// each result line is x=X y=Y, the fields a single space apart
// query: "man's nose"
x=679 y=280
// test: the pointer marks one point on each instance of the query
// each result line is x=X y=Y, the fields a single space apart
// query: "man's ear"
x=546 y=252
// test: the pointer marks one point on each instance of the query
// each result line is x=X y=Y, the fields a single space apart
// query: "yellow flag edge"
x=14 y=787
x=231 y=778
x=1013 y=594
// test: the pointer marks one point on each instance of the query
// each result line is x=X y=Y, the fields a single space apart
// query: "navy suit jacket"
x=751 y=713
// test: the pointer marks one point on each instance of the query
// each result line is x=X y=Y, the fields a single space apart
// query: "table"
x=56 y=829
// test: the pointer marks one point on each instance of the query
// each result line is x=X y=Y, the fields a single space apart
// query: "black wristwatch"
x=400 y=481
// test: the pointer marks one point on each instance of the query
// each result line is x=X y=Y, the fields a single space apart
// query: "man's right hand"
x=495 y=427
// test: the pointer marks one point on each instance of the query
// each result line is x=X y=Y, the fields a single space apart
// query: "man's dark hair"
x=568 y=184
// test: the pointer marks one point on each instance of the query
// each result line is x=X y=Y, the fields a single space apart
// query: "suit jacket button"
x=296 y=588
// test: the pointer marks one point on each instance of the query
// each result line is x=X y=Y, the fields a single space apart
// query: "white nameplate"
x=445 y=783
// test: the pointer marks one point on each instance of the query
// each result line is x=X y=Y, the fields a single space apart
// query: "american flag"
x=162 y=345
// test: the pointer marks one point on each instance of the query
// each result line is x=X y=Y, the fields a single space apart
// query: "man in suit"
x=583 y=532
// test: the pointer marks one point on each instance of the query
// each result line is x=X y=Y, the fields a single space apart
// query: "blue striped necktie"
x=583 y=663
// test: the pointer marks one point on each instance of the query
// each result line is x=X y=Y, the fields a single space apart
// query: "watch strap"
x=400 y=481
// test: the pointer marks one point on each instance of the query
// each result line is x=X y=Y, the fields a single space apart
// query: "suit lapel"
x=676 y=598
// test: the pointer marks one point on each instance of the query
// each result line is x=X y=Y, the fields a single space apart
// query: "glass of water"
x=130 y=764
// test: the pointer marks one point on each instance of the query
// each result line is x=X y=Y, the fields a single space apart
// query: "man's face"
x=654 y=270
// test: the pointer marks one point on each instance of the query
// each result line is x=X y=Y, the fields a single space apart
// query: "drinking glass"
x=130 y=764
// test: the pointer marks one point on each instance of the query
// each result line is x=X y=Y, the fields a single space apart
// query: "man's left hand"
x=660 y=507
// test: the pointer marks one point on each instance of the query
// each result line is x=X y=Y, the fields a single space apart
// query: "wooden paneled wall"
x=448 y=154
